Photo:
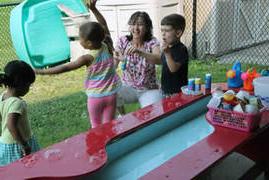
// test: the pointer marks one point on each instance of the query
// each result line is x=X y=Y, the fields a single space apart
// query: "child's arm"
x=12 y=125
x=100 y=18
x=81 y=61
x=117 y=56
x=171 y=63
x=154 y=57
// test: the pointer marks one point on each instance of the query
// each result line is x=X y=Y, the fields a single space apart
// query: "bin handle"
x=77 y=16
x=207 y=116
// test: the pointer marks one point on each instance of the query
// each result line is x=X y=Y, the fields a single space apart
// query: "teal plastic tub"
x=38 y=33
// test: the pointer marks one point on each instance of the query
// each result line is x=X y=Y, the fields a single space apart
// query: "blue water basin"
x=146 y=148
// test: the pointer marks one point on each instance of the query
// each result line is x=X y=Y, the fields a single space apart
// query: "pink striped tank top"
x=102 y=79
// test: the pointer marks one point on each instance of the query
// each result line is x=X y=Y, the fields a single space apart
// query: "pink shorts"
x=101 y=109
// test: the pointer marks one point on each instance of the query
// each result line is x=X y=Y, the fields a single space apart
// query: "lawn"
x=6 y=50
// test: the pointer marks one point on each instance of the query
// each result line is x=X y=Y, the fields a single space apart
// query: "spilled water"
x=53 y=154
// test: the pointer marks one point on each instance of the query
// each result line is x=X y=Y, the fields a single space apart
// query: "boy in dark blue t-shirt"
x=174 y=55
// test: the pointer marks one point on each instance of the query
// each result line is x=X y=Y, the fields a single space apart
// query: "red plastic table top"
x=85 y=153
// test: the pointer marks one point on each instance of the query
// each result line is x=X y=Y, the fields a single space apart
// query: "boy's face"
x=170 y=35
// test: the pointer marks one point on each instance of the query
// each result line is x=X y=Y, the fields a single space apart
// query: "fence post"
x=194 y=38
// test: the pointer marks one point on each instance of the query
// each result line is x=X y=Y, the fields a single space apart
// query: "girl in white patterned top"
x=139 y=76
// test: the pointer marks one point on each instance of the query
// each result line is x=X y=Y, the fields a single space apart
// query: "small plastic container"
x=231 y=119
x=185 y=90
x=191 y=85
x=261 y=86
x=208 y=79
x=197 y=84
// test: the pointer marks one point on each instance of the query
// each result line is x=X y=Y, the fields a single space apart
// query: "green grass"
x=198 y=68
x=7 y=52
x=57 y=107
x=59 y=118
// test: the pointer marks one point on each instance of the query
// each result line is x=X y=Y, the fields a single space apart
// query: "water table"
x=170 y=139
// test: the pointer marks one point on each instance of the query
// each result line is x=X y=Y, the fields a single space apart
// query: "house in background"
x=118 y=12
x=227 y=29
x=221 y=27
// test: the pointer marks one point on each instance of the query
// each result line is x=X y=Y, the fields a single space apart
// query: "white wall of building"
x=118 y=12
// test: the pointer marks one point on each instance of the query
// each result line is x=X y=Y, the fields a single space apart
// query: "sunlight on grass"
x=57 y=106
x=47 y=87
x=59 y=118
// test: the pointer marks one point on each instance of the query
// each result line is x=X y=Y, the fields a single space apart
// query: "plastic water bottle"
x=191 y=84
x=123 y=64
x=208 y=79
x=197 y=83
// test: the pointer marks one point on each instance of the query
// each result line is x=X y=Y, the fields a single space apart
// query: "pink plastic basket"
x=235 y=120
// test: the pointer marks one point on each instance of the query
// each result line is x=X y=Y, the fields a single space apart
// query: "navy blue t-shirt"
x=172 y=82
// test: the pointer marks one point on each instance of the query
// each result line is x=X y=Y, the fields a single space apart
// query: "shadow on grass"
x=59 y=118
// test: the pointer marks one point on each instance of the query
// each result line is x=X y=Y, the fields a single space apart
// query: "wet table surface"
x=85 y=153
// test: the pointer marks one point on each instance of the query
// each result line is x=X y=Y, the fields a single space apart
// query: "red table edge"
x=194 y=161
x=218 y=149
x=183 y=99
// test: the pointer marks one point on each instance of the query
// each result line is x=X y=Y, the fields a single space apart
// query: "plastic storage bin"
x=38 y=33
x=261 y=86
x=235 y=120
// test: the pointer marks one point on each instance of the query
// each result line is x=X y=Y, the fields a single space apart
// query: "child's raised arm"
x=84 y=60
x=100 y=18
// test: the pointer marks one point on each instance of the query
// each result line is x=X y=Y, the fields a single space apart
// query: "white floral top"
x=138 y=74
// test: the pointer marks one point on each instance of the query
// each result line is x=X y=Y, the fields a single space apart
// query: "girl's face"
x=138 y=28
x=85 y=43
x=170 y=35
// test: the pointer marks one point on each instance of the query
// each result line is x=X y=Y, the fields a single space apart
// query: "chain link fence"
x=7 y=52
x=225 y=30
x=229 y=30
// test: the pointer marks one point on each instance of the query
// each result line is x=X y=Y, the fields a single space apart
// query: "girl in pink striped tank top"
x=102 y=81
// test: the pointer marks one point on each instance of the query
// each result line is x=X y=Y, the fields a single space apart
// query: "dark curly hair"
x=16 y=74
x=148 y=24
x=92 y=31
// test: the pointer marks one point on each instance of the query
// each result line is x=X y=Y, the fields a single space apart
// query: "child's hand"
x=118 y=56
x=91 y=4
x=165 y=47
x=132 y=50
x=38 y=71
